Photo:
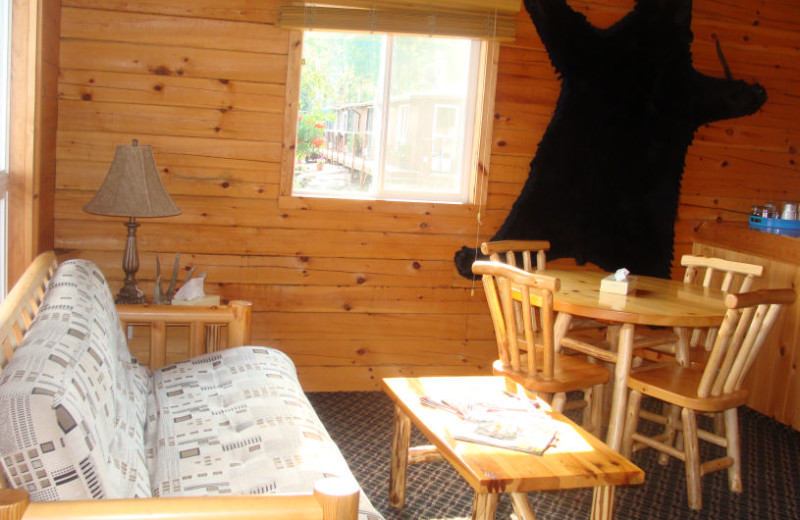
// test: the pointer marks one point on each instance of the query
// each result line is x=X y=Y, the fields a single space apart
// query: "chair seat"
x=678 y=385
x=570 y=373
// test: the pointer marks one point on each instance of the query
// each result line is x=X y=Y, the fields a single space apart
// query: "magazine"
x=503 y=420
x=533 y=437
x=485 y=409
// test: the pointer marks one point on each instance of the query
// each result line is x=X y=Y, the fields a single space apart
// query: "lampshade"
x=132 y=187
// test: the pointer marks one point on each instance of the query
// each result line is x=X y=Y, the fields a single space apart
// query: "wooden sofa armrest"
x=333 y=499
x=236 y=315
x=21 y=304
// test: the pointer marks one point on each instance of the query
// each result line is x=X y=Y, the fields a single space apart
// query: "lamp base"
x=130 y=294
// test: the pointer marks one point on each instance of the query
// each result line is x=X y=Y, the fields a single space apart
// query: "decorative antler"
x=173 y=281
x=161 y=297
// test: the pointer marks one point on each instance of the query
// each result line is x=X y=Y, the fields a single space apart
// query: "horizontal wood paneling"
x=182 y=175
x=174 y=61
x=356 y=290
x=240 y=10
x=155 y=235
x=91 y=145
x=162 y=29
x=222 y=124
x=113 y=87
x=284 y=270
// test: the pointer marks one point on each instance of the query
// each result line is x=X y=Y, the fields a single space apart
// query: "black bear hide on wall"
x=605 y=181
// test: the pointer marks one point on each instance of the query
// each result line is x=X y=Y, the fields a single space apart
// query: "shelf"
x=739 y=236
x=777 y=226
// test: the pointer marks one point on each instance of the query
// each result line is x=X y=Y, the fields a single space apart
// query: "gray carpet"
x=361 y=422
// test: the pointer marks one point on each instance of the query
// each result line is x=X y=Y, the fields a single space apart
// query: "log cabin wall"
x=32 y=130
x=354 y=290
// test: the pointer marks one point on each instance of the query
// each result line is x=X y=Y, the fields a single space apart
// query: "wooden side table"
x=579 y=460
x=213 y=330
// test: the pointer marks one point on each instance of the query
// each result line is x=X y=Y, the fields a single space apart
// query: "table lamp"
x=132 y=188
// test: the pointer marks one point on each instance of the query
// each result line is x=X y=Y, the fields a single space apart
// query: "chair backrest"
x=726 y=275
x=731 y=272
x=748 y=322
x=512 y=248
x=535 y=290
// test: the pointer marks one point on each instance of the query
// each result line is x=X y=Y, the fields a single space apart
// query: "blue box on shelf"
x=775 y=225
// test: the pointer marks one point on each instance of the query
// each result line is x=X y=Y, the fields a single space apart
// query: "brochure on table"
x=502 y=420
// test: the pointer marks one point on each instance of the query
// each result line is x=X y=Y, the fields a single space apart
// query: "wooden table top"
x=655 y=301
x=579 y=459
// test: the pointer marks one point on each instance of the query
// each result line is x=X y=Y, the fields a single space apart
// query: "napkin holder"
x=610 y=284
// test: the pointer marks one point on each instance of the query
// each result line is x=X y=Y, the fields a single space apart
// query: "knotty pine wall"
x=354 y=290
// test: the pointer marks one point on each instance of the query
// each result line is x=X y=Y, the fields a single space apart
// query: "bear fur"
x=605 y=181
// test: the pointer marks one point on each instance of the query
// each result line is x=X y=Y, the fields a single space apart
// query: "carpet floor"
x=361 y=425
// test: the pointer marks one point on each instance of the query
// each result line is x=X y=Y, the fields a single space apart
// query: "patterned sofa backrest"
x=73 y=399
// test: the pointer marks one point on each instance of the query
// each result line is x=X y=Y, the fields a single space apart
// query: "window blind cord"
x=485 y=154
x=373 y=17
x=308 y=18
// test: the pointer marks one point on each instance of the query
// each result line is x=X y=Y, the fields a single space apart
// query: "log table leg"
x=620 y=392
x=485 y=506
x=522 y=507
x=401 y=438
x=603 y=503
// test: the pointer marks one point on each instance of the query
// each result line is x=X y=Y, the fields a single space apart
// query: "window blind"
x=484 y=19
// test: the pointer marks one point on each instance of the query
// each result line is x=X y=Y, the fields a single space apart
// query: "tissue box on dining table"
x=610 y=284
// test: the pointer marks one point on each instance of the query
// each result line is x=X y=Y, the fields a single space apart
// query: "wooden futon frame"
x=333 y=498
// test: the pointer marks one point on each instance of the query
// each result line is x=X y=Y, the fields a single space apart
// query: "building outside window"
x=445 y=139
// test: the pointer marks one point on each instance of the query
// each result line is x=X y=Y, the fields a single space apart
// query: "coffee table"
x=578 y=460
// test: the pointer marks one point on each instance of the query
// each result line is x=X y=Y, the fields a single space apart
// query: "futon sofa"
x=83 y=419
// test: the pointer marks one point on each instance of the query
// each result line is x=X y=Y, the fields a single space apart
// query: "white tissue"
x=621 y=274
x=191 y=290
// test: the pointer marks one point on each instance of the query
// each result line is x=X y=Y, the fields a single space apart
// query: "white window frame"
x=476 y=156
x=5 y=80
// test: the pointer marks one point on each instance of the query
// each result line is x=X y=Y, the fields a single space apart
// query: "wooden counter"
x=774 y=383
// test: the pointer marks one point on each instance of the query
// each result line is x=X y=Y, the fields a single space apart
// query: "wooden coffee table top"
x=579 y=459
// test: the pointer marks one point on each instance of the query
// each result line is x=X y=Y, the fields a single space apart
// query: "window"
x=395 y=99
x=5 y=76
x=386 y=116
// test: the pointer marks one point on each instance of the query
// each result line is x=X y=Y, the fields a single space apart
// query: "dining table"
x=654 y=302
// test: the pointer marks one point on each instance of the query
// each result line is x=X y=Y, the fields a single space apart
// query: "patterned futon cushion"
x=237 y=422
x=72 y=399
x=81 y=418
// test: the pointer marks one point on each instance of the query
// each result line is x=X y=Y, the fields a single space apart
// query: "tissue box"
x=208 y=300
x=611 y=285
